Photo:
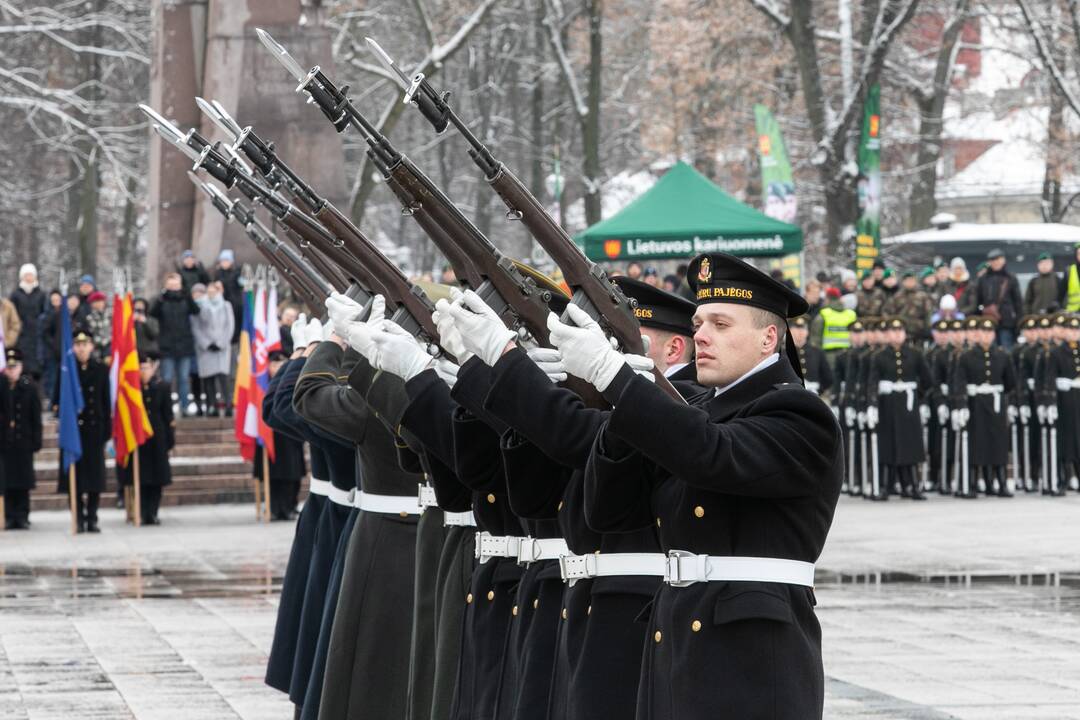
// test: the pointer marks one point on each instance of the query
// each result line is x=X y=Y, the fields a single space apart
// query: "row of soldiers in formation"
x=961 y=415
x=479 y=543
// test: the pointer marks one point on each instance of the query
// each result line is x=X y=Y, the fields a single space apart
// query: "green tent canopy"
x=682 y=215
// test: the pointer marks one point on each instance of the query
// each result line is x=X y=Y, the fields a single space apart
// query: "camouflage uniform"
x=915 y=307
x=870 y=302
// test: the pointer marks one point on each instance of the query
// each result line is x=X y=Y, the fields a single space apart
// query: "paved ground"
x=947 y=609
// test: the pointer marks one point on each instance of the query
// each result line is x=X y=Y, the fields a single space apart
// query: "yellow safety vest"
x=836 y=335
x=1072 y=302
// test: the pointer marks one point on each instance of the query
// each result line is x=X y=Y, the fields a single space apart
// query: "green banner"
x=868 y=226
x=777 y=185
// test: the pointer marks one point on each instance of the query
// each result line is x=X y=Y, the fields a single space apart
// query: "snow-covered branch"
x=551 y=22
x=1042 y=47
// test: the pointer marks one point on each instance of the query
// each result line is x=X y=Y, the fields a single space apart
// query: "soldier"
x=1040 y=427
x=937 y=357
x=846 y=379
x=154 y=469
x=740 y=487
x=913 y=306
x=983 y=391
x=900 y=377
x=95 y=429
x=817 y=375
x=1025 y=355
x=287 y=467
x=20 y=440
x=1061 y=392
x=870 y=297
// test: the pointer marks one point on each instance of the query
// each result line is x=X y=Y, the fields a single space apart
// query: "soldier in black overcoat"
x=20 y=438
x=741 y=486
x=155 y=471
x=899 y=385
x=817 y=374
x=1060 y=383
x=1025 y=356
x=287 y=466
x=984 y=389
x=846 y=379
x=95 y=430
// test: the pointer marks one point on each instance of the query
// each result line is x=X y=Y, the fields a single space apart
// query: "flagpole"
x=72 y=499
x=136 y=510
x=266 y=484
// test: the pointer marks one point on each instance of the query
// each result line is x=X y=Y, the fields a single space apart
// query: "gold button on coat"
x=514 y=611
x=696 y=626
x=535 y=603
x=468 y=598
x=564 y=613
x=491 y=595
x=657 y=636
x=699 y=512
x=491 y=498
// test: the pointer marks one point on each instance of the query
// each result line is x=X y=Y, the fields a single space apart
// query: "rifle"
x=591 y=289
x=379 y=275
x=514 y=297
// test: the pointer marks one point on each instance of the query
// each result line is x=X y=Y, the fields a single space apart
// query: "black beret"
x=955 y=325
x=658 y=308
x=802 y=322
x=723 y=278
x=81 y=334
x=941 y=326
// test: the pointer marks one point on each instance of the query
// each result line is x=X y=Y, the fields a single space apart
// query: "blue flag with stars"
x=71 y=397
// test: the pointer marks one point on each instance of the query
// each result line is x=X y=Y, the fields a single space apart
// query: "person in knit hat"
x=30 y=304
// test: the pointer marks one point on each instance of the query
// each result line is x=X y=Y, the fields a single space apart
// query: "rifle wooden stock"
x=310 y=231
x=588 y=283
x=297 y=282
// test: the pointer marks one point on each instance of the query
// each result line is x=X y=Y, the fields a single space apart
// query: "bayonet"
x=281 y=55
x=388 y=62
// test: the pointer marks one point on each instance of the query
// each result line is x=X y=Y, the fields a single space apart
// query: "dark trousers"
x=87 y=508
x=214 y=388
x=282 y=498
x=149 y=501
x=16 y=505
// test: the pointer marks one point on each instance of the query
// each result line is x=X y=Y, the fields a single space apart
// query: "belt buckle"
x=528 y=550
x=577 y=567
x=478 y=547
x=673 y=574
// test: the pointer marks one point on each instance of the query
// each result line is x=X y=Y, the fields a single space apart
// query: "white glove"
x=960 y=418
x=482 y=332
x=640 y=364
x=447 y=370
x=360 y=337
x=850 y=416
x=398 y=353
x=872 y=417
x=449 y=334
x=1025 y=414
x=298 y=332
x=314 y=332
x=344 y=310
x=924 y=413
x=861 y=417
x=328 y=332
x=1041 y=412
x=943 y=415
x=1013 y=413
x=585 y=349
x=1051 y=414
x=550 y=361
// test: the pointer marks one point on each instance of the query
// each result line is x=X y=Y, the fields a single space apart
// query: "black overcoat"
x=21 y=412
x=95 y=428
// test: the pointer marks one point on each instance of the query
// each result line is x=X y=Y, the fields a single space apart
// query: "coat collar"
x=725 y=405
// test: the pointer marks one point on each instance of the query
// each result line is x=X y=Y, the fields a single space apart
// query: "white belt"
x=341 y=497
x=1067 y=384
x=459 y=519
x=686 y=569
x=390 y=504
x=426 y=496
x=533 y=549
x=489 y=546
x=577 y=567
x=886 y=387
x=319 y=487
x=987 y=389
x=813 y=387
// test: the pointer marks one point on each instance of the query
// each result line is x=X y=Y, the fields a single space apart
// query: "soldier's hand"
x=359 y=336
x=313 y=332
x=550 y=361
x=399 y=353
x=482 y=332
x=585 y=349
x=641 y=364
x=924 y=413
x=447 y=370
x=298 y=331
x=1041 y=413
x=344 y=310
x=861 y=417
x=872 y=417
x=1051 y=414
x=851 y=417
x=1013 y=413
x=943 y=415
x=1025 y=414
x=449 y=333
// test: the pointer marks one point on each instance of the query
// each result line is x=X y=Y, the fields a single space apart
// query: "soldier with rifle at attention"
x=1059 y=383
x=984 y=394
x=817 y=374
x=899 y=384
x=20 y=438
x=937 y=357
x=1025 y=356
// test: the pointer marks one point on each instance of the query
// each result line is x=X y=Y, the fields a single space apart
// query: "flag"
x=777 y=185
x=71 y=397
x=273 y=330
x=245 y=424
x=868 y=226
x=131 y=425
x=260 y=357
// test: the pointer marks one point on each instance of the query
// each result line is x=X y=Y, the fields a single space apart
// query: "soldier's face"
x=82 y=349
x=728 y=342
x=147 y=370
x=897 y=337
x=13 y=372
x=799 y=335
x=986 y=338
x=857 y=339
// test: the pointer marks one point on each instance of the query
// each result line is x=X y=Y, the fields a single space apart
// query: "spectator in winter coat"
x=230 y=274
x=1045 y=292
x=47 y=359
x=959 y=278
x=997 y=296
x=146 y=329
x=10 y=321
x=86 y=287
x=52 y=327
x=213 y=330
x=173 y=311
x=99 y=323
x=191 y=271
x=849 y=283
x=30 y=303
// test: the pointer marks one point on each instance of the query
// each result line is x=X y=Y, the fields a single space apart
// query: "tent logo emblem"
x=875 y=125
x=765 y=144
x=613 y=248
x=704 y=274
